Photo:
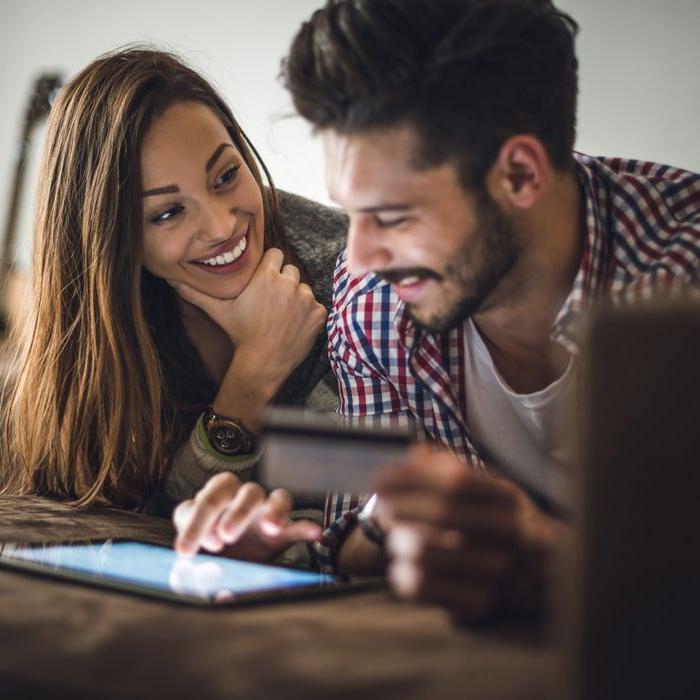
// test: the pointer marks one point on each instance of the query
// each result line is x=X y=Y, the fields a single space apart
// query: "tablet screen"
x=159 y=570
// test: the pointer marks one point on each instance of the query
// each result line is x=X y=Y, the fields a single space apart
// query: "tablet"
x=155 y=571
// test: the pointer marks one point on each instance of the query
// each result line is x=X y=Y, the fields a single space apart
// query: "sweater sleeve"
x=197 y=461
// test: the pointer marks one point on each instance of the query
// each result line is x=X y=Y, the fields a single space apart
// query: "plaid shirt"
x=642 y=233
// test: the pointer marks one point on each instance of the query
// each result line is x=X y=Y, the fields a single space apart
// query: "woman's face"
x=203 y=221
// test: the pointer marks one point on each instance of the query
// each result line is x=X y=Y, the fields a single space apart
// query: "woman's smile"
x=230 y=256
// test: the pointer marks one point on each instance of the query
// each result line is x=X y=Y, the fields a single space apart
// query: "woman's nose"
x=217 y=222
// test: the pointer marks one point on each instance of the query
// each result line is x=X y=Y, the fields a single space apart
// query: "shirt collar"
x=590 y=277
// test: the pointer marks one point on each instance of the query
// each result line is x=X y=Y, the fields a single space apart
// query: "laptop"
x=635 y=628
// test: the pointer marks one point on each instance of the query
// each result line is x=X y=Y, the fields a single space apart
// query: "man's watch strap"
x=368 y=524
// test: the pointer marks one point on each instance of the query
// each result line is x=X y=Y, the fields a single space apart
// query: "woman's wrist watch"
x=228 y=435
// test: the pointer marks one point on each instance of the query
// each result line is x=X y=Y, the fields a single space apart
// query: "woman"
x=174 y=298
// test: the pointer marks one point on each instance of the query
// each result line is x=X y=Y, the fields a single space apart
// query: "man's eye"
x=227 y=177
x=167 y=215
x=389 y=223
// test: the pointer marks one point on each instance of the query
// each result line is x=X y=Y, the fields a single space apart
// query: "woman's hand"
x=241 y=518
x=273 y=323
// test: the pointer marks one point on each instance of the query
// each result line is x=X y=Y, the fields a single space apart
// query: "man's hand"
x=470 y=542
x=240 y=518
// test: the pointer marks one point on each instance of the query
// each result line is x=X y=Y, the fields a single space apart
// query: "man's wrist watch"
x=228 y=435
x=368 y=523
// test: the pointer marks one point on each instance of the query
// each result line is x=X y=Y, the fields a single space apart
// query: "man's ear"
x=521 y=172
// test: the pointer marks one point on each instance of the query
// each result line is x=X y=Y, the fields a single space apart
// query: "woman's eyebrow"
x=168 y=189
x=171 y=189
x=215 y=156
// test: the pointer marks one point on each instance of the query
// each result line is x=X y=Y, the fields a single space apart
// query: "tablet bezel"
x=333 y=585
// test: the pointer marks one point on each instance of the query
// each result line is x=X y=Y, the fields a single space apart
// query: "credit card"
x=307 y=452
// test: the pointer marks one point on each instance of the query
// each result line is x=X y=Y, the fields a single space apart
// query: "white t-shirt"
x=521 y=436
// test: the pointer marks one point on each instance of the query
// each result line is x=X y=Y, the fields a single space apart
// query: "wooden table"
x=61 y=640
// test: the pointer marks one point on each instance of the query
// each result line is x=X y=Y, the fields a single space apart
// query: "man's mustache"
x=396 y=275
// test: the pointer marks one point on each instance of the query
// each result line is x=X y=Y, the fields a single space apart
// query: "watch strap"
x=368 y=524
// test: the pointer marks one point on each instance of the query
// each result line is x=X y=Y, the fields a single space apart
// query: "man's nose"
x=368 y=249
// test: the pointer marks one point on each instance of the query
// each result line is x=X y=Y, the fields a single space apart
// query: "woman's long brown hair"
x=107 y=383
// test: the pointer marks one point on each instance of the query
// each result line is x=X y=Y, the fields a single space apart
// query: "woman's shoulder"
x=315 y=231
x=308 y=219
x=317 y=234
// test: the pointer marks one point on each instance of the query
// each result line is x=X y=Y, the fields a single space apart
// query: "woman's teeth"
x=228 y=257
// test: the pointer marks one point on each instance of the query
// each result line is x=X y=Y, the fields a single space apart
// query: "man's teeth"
x=228 y=257
x=407 y=281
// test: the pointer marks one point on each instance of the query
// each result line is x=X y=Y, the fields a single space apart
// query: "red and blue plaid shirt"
x=642 y=233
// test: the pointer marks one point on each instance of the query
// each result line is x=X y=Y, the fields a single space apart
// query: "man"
x=477 y=240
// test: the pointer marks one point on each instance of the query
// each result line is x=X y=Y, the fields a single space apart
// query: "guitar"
x=44 y=90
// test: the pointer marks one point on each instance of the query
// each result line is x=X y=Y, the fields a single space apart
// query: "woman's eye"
x=227 y=177
x=167 y=215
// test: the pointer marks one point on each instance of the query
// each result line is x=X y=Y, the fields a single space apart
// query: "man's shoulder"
x=657 y=188
x=365 y=312
x=371 y=293
x=651 y=213
x=635 y=166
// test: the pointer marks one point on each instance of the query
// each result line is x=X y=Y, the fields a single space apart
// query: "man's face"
x=444 y=250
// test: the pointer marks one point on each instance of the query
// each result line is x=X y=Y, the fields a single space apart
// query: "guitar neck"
x=37 y=110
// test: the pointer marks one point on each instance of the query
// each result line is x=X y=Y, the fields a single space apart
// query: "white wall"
x=640 y=59
x=639 y=78
x=237 y=44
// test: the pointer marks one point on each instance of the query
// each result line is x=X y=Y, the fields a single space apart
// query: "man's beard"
x=477 y=269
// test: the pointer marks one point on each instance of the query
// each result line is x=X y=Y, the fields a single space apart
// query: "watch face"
x=227 y=435
x=226 y=439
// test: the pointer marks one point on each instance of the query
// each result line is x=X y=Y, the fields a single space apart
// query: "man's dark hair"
x=465 y=74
